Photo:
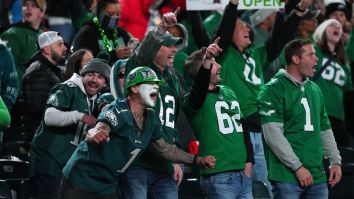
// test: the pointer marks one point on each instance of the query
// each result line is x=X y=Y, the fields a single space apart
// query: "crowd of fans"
x=252 y=87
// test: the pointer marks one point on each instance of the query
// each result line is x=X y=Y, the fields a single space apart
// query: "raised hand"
x=168 y=20
x=213 y=49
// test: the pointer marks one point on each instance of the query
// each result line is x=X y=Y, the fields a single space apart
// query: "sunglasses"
x=121 y=75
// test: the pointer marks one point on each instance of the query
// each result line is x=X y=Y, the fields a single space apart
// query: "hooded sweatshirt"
x=61 y=129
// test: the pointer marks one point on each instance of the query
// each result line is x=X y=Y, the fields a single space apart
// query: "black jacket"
x=89 y=37
x=37 y=81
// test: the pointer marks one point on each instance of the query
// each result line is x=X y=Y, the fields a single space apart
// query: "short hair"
x=294 y=47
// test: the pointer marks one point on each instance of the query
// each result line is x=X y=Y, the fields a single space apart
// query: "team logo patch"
x=147 y=74
x=131 y=76
x=53 y=100
x=111 y=117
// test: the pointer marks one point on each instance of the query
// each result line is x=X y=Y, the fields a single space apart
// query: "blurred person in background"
x=76 y=62
x=9 y=87
x=333 y=74
x=42 y=74
x=103 y=32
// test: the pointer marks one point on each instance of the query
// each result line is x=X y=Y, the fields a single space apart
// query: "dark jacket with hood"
x=38 y=80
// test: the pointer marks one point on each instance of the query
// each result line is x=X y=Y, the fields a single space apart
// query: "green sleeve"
x=4 y=114
x=270 y=104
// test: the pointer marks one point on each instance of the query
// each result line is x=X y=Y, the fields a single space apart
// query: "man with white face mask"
x=124 y=130
x=153 y=174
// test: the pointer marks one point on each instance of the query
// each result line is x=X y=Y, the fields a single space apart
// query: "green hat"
x=140 y=75
x=169 y=40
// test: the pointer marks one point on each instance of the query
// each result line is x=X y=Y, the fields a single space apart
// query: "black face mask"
x=107 y=22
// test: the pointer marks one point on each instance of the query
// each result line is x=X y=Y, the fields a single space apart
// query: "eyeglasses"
x=121 y=75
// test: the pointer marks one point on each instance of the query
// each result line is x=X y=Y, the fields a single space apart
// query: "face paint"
x=149 y=93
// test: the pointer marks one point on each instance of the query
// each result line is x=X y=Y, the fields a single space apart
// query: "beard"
x=59 y=59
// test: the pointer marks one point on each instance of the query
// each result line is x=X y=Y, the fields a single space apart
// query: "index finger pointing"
x=177 y=11
x=217 y=40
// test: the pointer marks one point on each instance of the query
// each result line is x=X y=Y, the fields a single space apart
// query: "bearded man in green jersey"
x=296 y=129
x=224 y=136
x=124 y=130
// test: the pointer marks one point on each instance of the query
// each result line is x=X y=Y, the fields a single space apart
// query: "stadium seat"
x=259 y=190
x=190 y=185
x=13 y=149
x=13 y=169
x=5 y=191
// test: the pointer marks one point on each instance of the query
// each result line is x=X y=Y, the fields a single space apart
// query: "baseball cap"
x=48 y=38
x=169 y=40
x=40 y=3
x=260 y=15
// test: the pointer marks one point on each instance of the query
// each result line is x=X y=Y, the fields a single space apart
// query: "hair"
x=74 y=62
x=339 y=51
x=294 y=47
x=194 y=61
x=98 y=5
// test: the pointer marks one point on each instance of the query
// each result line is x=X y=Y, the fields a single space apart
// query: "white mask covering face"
x=149 y=93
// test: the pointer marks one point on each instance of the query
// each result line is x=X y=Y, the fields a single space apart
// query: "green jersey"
x=22 y=40
x=219 y=131
x=53 y=145
x=300 y=109
x=242 y=72
x=93 y=168
x=333 y=81
x=167 y=104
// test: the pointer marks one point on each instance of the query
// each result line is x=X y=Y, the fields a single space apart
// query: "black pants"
x=339 y=132
x=68 y=191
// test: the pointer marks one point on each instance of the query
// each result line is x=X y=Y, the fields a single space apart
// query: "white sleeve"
x=55 y=117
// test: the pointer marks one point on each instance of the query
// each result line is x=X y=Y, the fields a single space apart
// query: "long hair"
x=74 y=62
x=339 y=50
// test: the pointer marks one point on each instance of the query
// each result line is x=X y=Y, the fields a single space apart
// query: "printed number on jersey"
x=308 y=126
x=250 y=71
x=227 y=124
x=168 y=111
x=80 y=133
x=134 y=154
x=334 y=72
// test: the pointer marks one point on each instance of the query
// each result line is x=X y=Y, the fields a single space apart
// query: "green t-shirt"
x=53 y=145
x=219 y=131
x=333 y=81
x=300 y=108
x=93 y=167
x=242 y=73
